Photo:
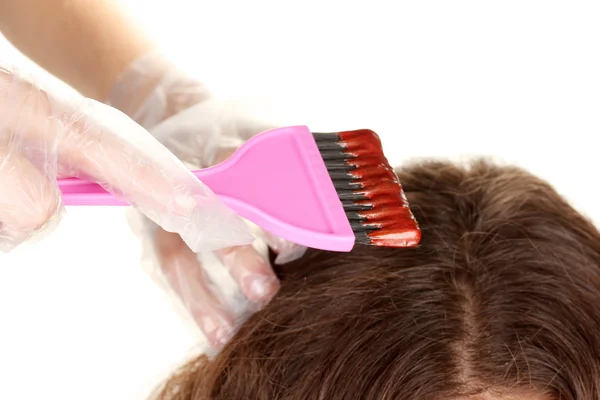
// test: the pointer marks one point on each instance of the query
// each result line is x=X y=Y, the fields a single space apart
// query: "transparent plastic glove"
x=201 y=131
x=44 y=136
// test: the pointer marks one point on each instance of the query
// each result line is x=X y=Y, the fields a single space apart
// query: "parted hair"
x=501 y=300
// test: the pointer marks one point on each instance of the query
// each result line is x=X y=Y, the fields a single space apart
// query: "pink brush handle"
x=77 y=192
x=277 y=179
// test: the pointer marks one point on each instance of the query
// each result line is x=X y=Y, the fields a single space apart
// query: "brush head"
x=368 y=188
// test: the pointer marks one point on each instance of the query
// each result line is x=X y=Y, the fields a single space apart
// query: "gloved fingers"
x=205 y=134
x=99 y=143
x=217 y=290
x=143 y=172
x=153 y=89
x=187 y=278
x=252 y=272
x=29 y=201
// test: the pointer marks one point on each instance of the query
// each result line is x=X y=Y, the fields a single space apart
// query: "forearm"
x=86 y=43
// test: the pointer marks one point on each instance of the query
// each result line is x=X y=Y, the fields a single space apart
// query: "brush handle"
x=278 y=180
x=77 y=192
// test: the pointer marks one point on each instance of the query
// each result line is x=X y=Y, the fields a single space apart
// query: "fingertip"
x=218 y=328
x=285 y=250
x=223 y=335
x=262 y=289
x=30 y=206
x=290 y=252
x=13 y=237
x=51 y=223
x=7 y=241
x=252 y=271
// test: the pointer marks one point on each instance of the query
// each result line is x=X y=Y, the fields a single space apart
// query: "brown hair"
x=501 y=298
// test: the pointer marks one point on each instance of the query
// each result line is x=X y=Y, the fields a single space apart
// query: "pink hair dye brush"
x=322 y=190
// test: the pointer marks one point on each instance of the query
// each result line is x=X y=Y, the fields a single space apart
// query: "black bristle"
x=351 y=195
x=334 y=155
x=358 y=226
x=339 y=166
x=350 y=205
x=362 y=238
x=330 y=146
x=326 y=137
x=355 y=216
x=344 y=184
x=340 y=175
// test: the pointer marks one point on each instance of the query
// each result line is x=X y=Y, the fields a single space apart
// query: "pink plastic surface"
x=277 y=179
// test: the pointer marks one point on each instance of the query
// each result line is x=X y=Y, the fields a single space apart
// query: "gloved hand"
x=44 y=136
x=201 y=131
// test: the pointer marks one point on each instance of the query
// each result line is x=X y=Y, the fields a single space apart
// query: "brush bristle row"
x=368 y=188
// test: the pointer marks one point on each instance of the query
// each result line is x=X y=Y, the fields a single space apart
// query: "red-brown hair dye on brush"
x=390 y=213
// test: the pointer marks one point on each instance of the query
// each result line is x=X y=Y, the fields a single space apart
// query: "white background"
x=518 y=80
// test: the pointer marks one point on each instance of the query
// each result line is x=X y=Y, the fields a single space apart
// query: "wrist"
x=87 y=44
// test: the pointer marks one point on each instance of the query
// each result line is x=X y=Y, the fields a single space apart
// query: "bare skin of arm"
x=86 y=43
